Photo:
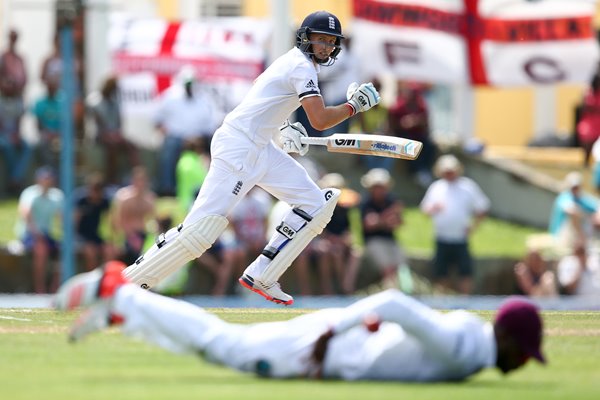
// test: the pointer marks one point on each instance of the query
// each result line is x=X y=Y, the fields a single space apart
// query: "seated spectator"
x=534 y=277
x=91 y=204
x=381 y=217
x=575 y=214
x=106 y=110
x=39 y=205
x=338 y=256
x=579 y=272
x=132 y=207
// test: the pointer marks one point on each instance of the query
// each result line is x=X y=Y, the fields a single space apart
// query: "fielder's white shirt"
x=415 y=343
x=460 y=200
x=275 y=95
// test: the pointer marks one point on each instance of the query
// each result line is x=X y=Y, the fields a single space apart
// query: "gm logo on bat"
x=346 y=143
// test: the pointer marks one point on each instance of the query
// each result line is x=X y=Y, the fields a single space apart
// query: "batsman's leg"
x=174 y=249
x=293 y=235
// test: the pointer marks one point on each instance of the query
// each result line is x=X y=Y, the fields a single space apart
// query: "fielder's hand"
x=290 y=138
x=363 y=97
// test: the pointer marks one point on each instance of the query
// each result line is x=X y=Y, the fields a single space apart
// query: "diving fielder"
x=387 y=336
x=244 y=155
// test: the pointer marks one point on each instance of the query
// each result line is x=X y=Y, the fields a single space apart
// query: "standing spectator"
x=39 y=205
x=574 y=213
x=534 y=277
x=132 y=207
x=579 y=272
x=191 y=171
x=338 y=255
x=13 y=79
x=381 y=217
x=47 y=111
x=457 y=205
x=409 y=118
x=91 y=204
x=588 y=127
x=106 y=110
x=183 y=114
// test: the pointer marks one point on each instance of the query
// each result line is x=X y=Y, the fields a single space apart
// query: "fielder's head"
x=320 y=37
x=518 y=328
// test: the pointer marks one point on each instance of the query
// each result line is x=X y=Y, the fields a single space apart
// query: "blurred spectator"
x=409 y=118
x=579 y=272
x=249 y=219
x=381 y=217
x=191 y=170
x=596 y=168
x=338 y=256
x=183 y=114
x=376 y=121
x=92 y=203
x=588 y=126
x=52 y=67
x=574 y=213
x=13 y=79
x=456 y=205
x=534 y=277
x=132 y=207
x=106 y=110
x=47 y=110
x=39 y=206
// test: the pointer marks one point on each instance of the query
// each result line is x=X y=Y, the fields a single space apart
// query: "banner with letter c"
x=481 y=42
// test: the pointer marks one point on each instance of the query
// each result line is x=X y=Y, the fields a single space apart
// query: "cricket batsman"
x=245 y=155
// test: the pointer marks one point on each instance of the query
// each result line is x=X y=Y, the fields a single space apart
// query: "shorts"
x=29 y=241
x=384 y=252
x=448 y=254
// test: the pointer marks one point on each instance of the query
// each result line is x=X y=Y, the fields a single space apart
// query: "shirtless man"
x=133 y=205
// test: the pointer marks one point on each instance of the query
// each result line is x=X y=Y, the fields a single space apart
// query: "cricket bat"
x=362 y=143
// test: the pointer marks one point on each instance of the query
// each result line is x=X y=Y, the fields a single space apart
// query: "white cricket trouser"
x=284 y=346
x=181 y=327
x=238 y=164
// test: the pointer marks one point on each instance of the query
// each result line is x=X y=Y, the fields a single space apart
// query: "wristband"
x=352 y=109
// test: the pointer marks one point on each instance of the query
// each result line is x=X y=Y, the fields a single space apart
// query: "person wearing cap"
x=38 y=207
x=457 y=205
x=381 y=217
x=386 y=336
x=574 y=214
x=183 y=114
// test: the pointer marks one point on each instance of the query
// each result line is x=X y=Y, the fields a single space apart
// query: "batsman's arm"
x=322 y=117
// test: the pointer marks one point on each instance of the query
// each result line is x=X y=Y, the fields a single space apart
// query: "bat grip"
x=319 y=141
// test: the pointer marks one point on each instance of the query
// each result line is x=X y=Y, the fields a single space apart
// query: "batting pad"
x=175 y=249
x=293 y=247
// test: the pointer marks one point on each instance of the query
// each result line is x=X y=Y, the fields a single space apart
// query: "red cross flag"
x=482 y=42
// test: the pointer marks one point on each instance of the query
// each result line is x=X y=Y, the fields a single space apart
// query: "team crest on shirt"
x=310 y=85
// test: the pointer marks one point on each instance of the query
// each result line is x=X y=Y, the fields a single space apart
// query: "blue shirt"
x=565 y=200
x=48 y=112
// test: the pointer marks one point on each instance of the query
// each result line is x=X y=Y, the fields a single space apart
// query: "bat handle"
x=319 y=141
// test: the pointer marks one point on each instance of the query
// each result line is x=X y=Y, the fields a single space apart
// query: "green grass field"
x=37 y=363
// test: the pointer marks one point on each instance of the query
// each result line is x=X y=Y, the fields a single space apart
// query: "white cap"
x=573 y=179
x=376 y=176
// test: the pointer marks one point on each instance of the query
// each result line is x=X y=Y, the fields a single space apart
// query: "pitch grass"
x=36 y=362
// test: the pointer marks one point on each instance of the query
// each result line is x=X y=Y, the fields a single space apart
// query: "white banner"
x=227 y=54
x=484 y=42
